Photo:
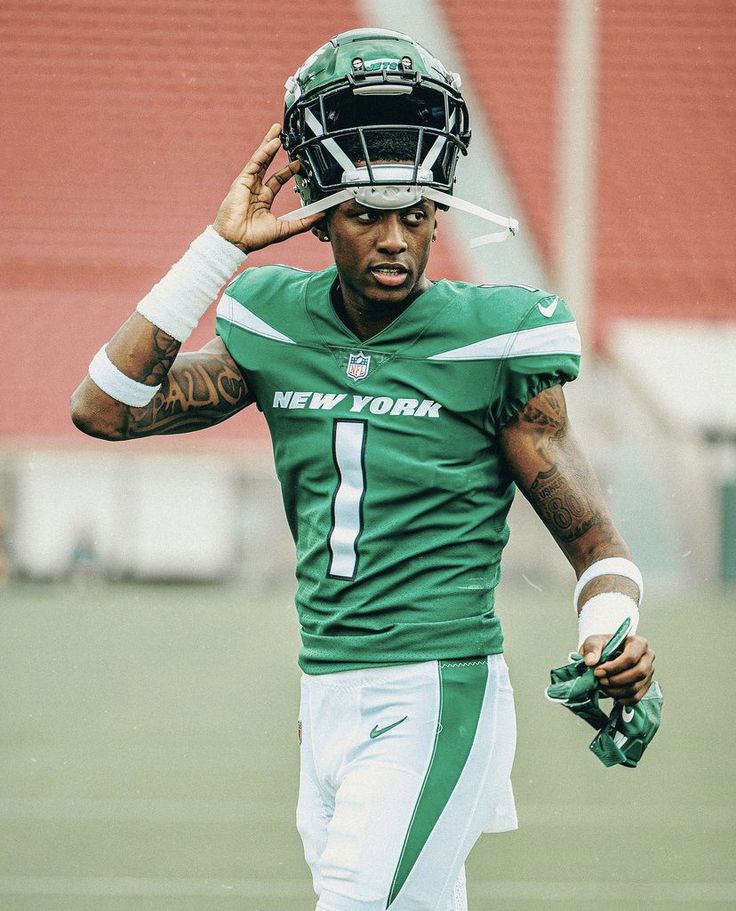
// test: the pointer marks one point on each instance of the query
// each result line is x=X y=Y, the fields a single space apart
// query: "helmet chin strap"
x=510 y=224
x=399 y=196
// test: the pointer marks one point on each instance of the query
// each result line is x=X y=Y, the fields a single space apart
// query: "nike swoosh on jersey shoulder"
x=548 y=310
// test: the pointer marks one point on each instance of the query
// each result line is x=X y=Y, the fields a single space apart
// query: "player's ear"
x=320 y=231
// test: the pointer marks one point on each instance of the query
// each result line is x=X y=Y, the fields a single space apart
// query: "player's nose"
x=391 y=238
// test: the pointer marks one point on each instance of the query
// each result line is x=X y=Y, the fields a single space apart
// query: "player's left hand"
x=627 y=677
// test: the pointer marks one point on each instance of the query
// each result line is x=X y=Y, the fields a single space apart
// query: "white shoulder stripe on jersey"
x=241 y=316
x=558 y=338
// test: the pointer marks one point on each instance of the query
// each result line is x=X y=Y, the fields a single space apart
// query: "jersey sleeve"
x=543 y=351
x=225 y=321
x=263 y=301
x=234 y=291
x=260 y=308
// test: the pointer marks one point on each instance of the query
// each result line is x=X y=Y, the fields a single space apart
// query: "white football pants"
x=402 y=769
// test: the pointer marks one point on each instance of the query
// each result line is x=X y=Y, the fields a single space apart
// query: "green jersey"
x=388 y=454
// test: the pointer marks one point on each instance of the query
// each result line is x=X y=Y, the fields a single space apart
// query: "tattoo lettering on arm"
x=199 y=390
x=550 y=468
x=553 y=473
x=563 y=506
x=563 y=491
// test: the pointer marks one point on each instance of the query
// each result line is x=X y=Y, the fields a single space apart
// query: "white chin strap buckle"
x=386 y=196
x=400 y=196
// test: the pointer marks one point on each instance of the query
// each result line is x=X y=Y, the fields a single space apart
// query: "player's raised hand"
x=245 y=217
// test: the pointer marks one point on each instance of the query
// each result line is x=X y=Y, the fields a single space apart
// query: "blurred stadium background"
x=147 y=647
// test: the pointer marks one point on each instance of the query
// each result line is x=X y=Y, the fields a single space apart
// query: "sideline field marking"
x=651 y=893
x=193 y=810
x=681 y=814
x=130 y=885
x=644 y=892
x=145 y=810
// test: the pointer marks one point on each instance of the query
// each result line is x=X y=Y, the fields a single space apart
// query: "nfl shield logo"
x=358 y=365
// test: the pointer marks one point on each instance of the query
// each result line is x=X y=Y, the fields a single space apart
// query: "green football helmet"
x=375 y=116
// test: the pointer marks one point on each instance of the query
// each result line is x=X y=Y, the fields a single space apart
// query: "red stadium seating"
x=128 y=123
x=124 y=124
x=665 y=230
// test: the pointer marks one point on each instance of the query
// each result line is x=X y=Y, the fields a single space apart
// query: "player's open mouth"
x=389 y=274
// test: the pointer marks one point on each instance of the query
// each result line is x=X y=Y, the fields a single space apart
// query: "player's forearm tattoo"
x=565 y=508
x=197 y=393
x=549 y=421
x=565 y=494
x=165 y=348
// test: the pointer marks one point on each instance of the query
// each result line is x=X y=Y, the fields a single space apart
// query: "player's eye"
x=365 y=217
x=415 y=216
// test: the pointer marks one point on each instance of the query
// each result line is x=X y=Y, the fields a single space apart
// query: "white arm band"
x=179 y=300
x=610 y=566
x=605 y=612
x=117 y=385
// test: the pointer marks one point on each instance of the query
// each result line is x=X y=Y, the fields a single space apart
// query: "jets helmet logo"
x=358 y=365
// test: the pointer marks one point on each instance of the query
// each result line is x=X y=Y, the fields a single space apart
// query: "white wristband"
x=604 y=613
x=117 y=385
x=610 y=566
x=179 y=300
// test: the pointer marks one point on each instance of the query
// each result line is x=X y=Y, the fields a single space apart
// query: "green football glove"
x=630 y=730
x=575 y=686
x=625 y=733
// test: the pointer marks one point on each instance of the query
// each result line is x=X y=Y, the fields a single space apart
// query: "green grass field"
x=149 y=760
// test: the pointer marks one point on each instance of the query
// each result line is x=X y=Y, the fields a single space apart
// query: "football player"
x=403 y=413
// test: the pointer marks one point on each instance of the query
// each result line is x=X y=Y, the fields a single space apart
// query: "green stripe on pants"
x=462 y=688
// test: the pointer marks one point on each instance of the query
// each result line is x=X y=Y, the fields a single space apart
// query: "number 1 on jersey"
x=348 y=450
